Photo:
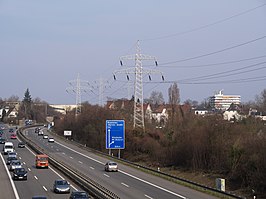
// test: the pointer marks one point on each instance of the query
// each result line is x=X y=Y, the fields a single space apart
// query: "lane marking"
x=19 y=158
x=29 y=169
x=80 y=162
x=36 y=177
x=62 y=178
x=57 y=149
x=144 y=181
x=92 y=168
x=148 y=196
x=106 y=175
x=154 y=185
x=124 y=184
x=70 y=157
x=11 y=181
x=80 y=153
x=44 y=188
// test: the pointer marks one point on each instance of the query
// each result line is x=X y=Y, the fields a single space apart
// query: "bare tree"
x=156 y=97
x=174 y=100
x=261 y=101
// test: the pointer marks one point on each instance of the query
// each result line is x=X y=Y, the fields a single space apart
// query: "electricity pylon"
x=101 y=85
x=78 y=86
x=138 y=71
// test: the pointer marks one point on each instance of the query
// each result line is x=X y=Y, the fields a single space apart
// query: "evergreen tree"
x=27 y=104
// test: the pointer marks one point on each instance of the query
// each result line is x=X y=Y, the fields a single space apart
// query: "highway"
x=39 y=182
x=127 y=183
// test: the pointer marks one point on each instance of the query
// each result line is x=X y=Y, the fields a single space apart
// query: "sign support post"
x=115 y=135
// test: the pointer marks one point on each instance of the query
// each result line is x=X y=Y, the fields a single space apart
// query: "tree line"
x=235 y=151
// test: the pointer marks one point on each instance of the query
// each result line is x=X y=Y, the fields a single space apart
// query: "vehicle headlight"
x=15 y=174
x=25 y=174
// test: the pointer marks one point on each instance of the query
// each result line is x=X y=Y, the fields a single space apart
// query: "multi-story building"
x=223 y=102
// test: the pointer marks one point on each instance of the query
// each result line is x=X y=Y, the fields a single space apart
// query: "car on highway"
x=37 y=129
x=12 y=154
x=61 y=186
x=13 y=136
x=21 y=145
x=2 y=140
x=14 y=164
x=39 y=197
x=51 y=140
x=45 y=137
x=79 y=195
x=20 y=174
x=111 y=166
x=40 y=132
x=9 y=159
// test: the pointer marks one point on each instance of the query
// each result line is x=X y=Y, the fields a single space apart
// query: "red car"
x=13 y=136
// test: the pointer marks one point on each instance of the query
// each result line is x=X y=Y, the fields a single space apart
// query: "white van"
x=8 y=147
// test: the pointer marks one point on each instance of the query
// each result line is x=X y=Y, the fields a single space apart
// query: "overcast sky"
x=204 y=46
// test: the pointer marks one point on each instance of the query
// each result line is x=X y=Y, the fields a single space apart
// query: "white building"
x=223 y=102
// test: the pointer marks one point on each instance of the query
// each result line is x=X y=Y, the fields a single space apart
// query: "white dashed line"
x=91 y=167
x=57 y=149
x=24 y=163
x=148 y=196
x=19 y=158
x=70 y=157
x=44 y=188
x=36 y=177
x=63 y=153
x=80 y=162
x=106 y=175
x=29 y=169
x=124 y=184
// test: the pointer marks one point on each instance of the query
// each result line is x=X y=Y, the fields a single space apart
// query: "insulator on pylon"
x=149 y=77
x=121 y=63
x=114 y=77
x=156 y=63
x=127 y=77
x=162 y=77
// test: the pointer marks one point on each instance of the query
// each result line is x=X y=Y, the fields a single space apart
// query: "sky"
x=204 y=46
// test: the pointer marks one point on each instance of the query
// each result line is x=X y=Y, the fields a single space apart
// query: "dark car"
x=20 y=174
x=37 y=129
x=2 y=140
x=21 y=145
x=79 y=195
x=39 y=197
x=61 y=186
x=9 y=159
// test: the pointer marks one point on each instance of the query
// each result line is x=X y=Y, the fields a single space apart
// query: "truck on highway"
x=8 y=147
x=41 y=161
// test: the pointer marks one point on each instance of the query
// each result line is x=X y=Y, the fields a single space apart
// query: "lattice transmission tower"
x=77 y=87
x=138 y=71
x=101 y=84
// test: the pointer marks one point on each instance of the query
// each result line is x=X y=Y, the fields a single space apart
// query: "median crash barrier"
x=94 y=188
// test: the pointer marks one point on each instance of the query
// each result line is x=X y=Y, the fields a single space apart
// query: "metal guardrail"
x=94 y=188
x=204 y=187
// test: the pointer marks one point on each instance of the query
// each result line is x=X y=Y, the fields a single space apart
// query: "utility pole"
x=101 y=84
x=138 y=71
x=77 y=86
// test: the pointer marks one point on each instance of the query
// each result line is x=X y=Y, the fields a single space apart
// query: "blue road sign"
x=115 y=134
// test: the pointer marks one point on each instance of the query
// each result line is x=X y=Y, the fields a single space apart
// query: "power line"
x=215 y=52
x=216 y=64
x=205 y=26
x=225 y=73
